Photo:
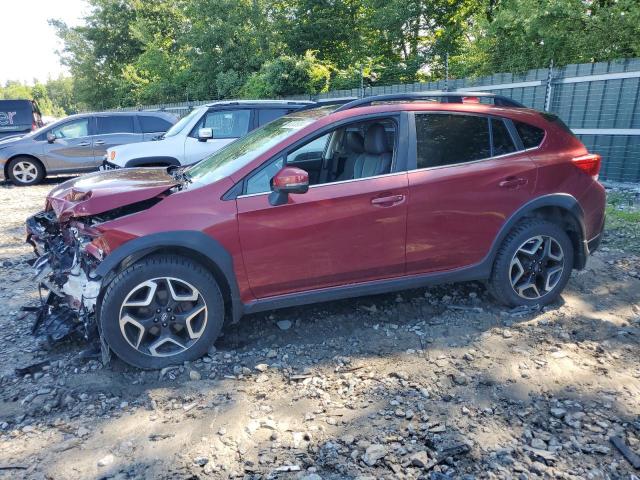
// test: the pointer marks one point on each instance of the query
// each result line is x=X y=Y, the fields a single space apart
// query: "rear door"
x=112 y=130
x=72 y=148
x=469 y=175
x=226 y=125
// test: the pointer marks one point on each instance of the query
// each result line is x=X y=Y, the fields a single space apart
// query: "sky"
x=27 y=43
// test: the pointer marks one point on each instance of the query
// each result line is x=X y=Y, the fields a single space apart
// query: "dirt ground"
x=433 y=383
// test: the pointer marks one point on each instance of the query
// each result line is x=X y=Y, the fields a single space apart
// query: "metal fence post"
x=547 y=95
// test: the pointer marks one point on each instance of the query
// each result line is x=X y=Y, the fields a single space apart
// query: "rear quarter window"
x=531 y=136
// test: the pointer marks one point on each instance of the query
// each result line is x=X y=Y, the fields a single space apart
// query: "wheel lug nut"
x=155 y=320
x=164 y=324
x=157 y=310
x=168 y=309
x=173 y=318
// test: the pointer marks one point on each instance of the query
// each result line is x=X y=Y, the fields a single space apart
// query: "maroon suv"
x=381 y=194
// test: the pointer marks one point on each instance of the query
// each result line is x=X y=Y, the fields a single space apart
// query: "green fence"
x=599 y=101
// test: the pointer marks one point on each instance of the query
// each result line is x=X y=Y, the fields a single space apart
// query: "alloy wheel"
x=536 y=267
x=163 y=316
x=25 y=172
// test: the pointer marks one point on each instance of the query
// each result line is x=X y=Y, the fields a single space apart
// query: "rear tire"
x=533 y=264
x=162 y=310
x=25 y=171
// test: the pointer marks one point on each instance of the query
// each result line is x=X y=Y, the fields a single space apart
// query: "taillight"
x=33 y=126
x=470 y=100
x=589 y=164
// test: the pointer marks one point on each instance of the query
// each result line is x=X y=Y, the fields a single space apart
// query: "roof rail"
x=447 y=97
x=327 y=102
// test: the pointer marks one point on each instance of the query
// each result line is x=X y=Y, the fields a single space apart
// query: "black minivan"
x=19 y=117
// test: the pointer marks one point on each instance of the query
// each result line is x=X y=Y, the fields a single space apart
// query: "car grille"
x=109 y=166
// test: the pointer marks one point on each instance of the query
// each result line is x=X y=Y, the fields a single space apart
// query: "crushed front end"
x=66 y=259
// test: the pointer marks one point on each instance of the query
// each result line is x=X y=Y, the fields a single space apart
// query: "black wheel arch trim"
x=142 y=161
x=197 y=242
x=563 y=201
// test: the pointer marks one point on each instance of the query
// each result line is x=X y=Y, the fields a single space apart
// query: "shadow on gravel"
x=420 y=369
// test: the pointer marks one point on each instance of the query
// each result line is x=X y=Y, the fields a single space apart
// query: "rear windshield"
x=15 y=115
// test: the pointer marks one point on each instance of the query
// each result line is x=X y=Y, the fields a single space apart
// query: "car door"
x=72 y=148
x=337 y=233
x=470 y=175
x=226 y=126
x=113 y=130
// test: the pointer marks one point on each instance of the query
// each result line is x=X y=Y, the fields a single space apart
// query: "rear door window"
x=115 y=124
x=268 y=114
x=448 y=139
x=502 y=141
x=531 y=136
x=153 y=124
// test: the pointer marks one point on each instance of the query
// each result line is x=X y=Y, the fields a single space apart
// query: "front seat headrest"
x=375 y=140
x=355 y=142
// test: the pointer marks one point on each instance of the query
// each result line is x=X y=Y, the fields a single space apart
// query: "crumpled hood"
x=103 y=191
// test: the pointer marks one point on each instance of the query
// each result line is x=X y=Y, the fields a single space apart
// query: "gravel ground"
x=439 y=383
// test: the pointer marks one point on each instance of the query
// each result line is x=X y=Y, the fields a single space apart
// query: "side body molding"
x=205 y=247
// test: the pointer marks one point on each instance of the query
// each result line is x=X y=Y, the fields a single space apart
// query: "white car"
x=203 y=131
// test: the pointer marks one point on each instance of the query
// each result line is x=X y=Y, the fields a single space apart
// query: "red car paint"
x=395 y=225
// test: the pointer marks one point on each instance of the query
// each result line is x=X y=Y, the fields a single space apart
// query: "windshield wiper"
x=180 y=174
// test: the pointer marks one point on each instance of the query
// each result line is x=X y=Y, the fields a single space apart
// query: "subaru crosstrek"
x=380 y=194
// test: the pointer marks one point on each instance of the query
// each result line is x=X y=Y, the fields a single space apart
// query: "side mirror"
x=205 y=134
x=51 y=137
x=288 y=180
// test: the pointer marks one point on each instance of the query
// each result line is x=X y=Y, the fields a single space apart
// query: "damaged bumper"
x=66 y=259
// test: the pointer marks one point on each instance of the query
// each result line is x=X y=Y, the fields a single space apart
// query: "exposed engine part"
x=64 y=269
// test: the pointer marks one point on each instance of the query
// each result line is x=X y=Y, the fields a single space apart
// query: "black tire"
x=154 y=268
x=25 y=171
x=500 y=282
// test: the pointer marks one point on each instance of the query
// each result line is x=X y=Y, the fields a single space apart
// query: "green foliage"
x=288 y=76
x=523 y=34
x=132 y=52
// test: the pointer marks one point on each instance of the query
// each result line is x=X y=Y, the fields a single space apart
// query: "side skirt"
x=481 y=271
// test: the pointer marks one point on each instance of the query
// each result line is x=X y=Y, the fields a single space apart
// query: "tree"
x=524 y=34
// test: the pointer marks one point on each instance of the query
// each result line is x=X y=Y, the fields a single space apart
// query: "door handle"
x=99 y=142
x=387 y=201
x=84 y=144
x=513 y=182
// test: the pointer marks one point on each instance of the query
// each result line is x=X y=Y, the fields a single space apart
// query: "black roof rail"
x=328 y=101
x=447 y=97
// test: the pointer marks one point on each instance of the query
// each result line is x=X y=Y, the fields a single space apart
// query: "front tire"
x=25 y=171
x=533 y=264
x=162 y=310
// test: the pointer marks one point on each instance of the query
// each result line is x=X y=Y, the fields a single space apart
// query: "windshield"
x=177 y=128
x=239 y=153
